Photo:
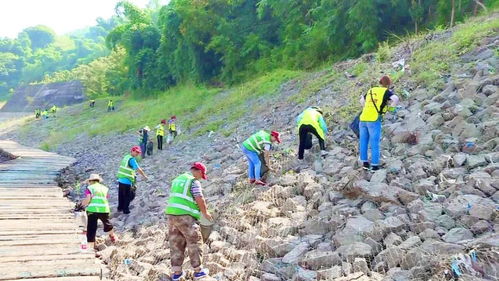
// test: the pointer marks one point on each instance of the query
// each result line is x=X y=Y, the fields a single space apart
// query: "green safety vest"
x=256 y=142
x=110 y=104
x=98 y=203
x=125 y=171
x=311 y=117
x=181 y=201
x=160 y=130
x=370 y=110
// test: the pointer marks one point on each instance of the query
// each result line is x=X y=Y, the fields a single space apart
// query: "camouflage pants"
x=183 y=231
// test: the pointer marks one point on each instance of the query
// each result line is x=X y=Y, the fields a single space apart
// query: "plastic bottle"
x=83 y=243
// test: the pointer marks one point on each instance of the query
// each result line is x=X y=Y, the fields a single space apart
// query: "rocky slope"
x=326 y=219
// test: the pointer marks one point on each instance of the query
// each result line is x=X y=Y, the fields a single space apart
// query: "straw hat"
x=147 y=128
x=95 y=177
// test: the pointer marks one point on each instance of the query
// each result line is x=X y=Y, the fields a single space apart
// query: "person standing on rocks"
x=309 y=122
x=172 y=129
x=97 y=207
x=160 y=133
x=260 y=142
x=375 y=103
x=127 y=177
x=143 y=140
x=185 y=206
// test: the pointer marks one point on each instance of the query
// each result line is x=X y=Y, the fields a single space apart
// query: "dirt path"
x=38 y=234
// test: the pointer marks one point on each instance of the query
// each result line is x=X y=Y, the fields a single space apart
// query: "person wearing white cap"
x=97 y=207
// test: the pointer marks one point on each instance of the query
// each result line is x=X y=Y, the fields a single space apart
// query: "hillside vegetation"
x=225 y=42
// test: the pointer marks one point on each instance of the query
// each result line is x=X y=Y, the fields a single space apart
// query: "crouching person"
x=97 y=207
x=185 y=206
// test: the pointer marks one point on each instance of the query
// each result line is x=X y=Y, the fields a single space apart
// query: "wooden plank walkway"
x=39 y=237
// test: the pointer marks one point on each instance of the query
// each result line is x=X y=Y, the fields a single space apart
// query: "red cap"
x=276 y=135
x=199 y=166
x=173 y=117
x=136 y=149
x=163 y=121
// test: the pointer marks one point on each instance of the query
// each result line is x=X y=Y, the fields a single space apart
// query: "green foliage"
x=101 y=77
x=38 y=52
x=40 y=36
x=227 y=41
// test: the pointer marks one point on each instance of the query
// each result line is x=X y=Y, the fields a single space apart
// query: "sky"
x=62 y=16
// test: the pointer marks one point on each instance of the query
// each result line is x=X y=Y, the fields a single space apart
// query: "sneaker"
x=259 y=182
x=374 y=168
x=324 y=153
x=200 y=274
x=365 y=165
x=178 y=277
x=251 y=181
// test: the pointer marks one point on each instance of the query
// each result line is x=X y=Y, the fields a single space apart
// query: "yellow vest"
x=369 y=113
x=160 y=130
x=172 y=126
x=311 y=117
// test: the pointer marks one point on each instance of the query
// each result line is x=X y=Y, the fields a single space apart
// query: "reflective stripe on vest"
x=257 y=141
x=369 y=112
x=311 y=117
x=125 y=171
x=181 y=201
x=160 y=130
x=99 y=202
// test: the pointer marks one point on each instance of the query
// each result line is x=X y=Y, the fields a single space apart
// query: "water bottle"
x=83 y=243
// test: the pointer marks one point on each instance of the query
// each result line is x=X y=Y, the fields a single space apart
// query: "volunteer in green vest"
x=172 y=129
x=185 y=206
x=375 y=103
x=260 y=142
x=311 y=121
x=45 y=114
x=126 y=178
x=97 y=207
x=160 y=133
x=110 y=105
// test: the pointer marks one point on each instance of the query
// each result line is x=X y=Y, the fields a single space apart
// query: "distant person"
x=92 y=103
x=309 y=122
x=185 y=206
x=127 y=177
x=97 y=207
x=375 y=103
x=53 y=110
x=144 y=139
x=172 y=128
x=160 y=133
x=110 y=105
x=37 y=113
x=260 y=142
x=45 y=114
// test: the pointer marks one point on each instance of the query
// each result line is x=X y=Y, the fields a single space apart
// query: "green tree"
x=40 y=36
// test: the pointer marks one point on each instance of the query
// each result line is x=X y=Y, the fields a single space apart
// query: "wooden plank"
x=46 y=258
x=29 y=250
x=39 y=241
x=75 y=278
x=23 y=273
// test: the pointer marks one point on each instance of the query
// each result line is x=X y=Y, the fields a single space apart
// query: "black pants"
x=173 y=133
x=303 y=132
x=124 y=197
x=92 y=224
x=160 y=142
